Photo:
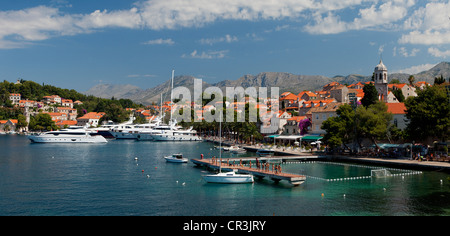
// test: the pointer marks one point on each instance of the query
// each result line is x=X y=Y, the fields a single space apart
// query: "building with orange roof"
x=58 y=116
x=91 y=118
x=422 y=85
x=330 y=86
x=406 y=89
x=65 y=123
x=340 y=93
x=67 y=103
x=15 y=98
x=53 y=99
x=288 y=100
x=398 y=111
x=307 y=95
x=319 y=114
x=8 y=125
x=291 y=127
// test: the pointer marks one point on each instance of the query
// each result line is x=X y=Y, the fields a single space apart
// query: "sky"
x=77 y=44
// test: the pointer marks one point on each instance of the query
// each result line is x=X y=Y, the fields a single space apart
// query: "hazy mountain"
x=285 y=81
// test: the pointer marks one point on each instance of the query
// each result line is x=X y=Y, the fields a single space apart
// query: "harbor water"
x=128 y=177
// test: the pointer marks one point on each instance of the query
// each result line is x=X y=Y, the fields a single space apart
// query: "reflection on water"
x=55 y=179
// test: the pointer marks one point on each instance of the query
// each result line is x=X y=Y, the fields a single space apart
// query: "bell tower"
x=381 y=81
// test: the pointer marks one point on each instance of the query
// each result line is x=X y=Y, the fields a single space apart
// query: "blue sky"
x=77 y=44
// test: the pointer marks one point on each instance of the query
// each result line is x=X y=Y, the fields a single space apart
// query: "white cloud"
x=172 y=14
x=416 y=69
x=33 y=24
x=428 y=25
x=375 y=17
x=160 y=42
x=438 y=53
x=101 y=19
x=227 y=39
x=402 y=51
x=428 y=37
x=206 y=55
x=19 y=28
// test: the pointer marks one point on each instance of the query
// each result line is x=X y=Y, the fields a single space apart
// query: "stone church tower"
x=381 y=81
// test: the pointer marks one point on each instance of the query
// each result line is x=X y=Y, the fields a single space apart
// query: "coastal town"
x=301 y=117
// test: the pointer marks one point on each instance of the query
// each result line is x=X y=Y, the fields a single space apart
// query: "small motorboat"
x=265 y=152
x=176 y=158
x=238 y=150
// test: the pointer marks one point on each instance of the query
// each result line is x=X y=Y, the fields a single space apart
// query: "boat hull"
x=228 y=178
x=68 y=139
x=176 y=160
x=165 y=137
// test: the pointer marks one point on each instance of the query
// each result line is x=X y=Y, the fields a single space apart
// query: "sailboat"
x=226 y=177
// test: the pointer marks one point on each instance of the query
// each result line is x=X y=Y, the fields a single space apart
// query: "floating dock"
x=276 y=176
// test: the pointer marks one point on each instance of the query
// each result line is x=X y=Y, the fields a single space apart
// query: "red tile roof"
x=396 y=108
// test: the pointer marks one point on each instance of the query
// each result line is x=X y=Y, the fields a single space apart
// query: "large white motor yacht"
x=70 y=135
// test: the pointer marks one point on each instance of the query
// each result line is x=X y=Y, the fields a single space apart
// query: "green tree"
x=370 y=95
x=42 y=121
x=411 y=80
x=439 y=80
x=428 y=114
x=373 y=122
x=399 y=95
x=21 y=122
x=340 y=129
x=395 y=81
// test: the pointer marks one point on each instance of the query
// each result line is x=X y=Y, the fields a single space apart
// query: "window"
x=317 y=117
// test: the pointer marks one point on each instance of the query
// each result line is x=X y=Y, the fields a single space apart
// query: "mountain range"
x=285 y=82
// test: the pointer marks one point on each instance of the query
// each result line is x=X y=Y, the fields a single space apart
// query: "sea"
x=131 y=178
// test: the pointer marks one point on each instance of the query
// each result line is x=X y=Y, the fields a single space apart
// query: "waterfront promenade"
x=298 y=154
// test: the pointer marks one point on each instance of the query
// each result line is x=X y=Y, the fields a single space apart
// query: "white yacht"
x=228 y=178
x=176 y=158
x=70 y=135
x=175 y=134
x=147 y=135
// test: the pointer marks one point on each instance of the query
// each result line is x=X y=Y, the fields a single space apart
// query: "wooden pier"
x=260 y=173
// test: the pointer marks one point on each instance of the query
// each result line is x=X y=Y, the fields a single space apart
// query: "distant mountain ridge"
x=285 y=81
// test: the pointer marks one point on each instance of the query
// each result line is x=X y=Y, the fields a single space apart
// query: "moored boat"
x=265 y=152
x=74 y=135
x=176 y=158
x=229 y=178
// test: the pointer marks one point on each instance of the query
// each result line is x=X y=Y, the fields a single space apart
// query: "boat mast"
x=220 y=142
x=171 y=101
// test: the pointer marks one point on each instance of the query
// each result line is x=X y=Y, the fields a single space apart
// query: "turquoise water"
x=105 y=179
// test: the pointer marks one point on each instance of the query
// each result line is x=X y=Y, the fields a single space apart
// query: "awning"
x=288 y=137
x=311 y=138
x=272 y=136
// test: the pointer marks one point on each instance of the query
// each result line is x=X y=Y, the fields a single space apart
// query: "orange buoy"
x=142 y=170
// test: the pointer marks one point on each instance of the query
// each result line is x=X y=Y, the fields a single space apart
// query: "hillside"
x=285 y=81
